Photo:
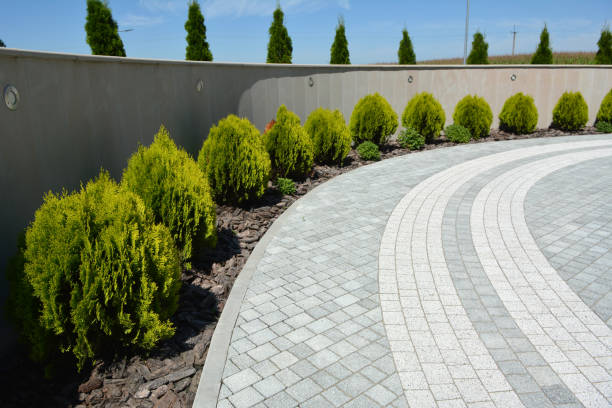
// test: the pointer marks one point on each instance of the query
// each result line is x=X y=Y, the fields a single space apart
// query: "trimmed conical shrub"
x=479 y=53
x=543 y=54
x=102 y=31
x=197 y=47
x=604 y=53
x=279 y=46
x=2 y=44
x=94 y=275
x=519 y=114
x=373 y=120
x=474 y=114
x=339 y=48
x=330 y=135
x=571 y=112
x=605 y=109
x=424 y=114
x=234 y=159
x=174 y=188
x=289 y=146
x=405 y=54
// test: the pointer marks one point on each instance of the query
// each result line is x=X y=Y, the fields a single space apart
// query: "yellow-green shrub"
x=424 y=114
x=605 y=109
x=330 y=135
x=97 y=274
x=474 y=114
x=235 y=161
x=373 y=119
x=289 y=146
x=571 y=112
x=174 y=188
x=519 y=114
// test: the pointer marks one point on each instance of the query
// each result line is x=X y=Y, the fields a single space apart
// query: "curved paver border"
x=212 y=373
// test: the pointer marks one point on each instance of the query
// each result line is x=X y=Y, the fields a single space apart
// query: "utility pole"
x=467 y=21
x=514 y=33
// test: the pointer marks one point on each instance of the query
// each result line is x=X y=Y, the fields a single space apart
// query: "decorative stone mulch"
x=169 y=376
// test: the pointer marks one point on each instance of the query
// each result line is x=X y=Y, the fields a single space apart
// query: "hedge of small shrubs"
x=174 y=188
x=235 y=161
x=289 y=146
x=604 y=114
x=424 y=114
x=457 y=134
x=94 y=275
x=571 y=112
x=368 y=151
x=474 y=114
x=411 y=139
x=519 y=114
x=373 y=120
x=330 y=136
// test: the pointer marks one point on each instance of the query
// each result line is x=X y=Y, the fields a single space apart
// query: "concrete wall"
x=80 y=113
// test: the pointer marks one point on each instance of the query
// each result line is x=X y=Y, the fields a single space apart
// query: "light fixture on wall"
x=11 y=97
x=410 y=79
x=513 y=77
x=199 y=85
x=310 y=82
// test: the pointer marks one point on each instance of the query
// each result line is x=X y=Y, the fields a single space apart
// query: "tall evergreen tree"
x=405 y=53
x=604 y=53
x=197 y=47
x=2 y=44
x=339 y=49
x=101 y=29
x=279 y=46
x=479 y=53
x=543 y=54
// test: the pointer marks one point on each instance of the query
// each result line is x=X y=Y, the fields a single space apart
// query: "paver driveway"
x=476 y=276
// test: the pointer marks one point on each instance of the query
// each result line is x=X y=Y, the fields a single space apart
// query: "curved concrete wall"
x=80 y=113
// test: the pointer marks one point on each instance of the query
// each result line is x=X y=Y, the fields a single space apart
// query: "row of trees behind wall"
x=103 y=38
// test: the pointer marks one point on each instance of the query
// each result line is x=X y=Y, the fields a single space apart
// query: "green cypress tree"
x=339 y=49
x=479 y=53
x=406 y=53
x=2 y=44
x=279 y=46
x=101 y=29
x=543 y=54
x=197 y=47
x=604 y=54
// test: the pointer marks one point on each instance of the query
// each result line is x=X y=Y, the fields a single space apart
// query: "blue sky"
x=237 y=30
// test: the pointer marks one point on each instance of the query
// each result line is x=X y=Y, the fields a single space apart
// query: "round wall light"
x=410 y=79
x=513 y=77
x=310 y=82
x=11 y=97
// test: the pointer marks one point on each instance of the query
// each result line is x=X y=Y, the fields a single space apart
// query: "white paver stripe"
x=413 y=272
x=531 y=289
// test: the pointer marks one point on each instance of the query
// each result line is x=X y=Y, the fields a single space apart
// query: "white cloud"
x=240 y=8
x=172 y=6
x=131 y=20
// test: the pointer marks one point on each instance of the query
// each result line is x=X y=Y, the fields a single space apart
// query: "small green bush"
x=97 y=275
x=474 y=114
x=373 y=119
x=285 y=186
x=457 y=134
x=368 y=151
x=289 y=146
x=605 y=109
x=571 y=112
x=330 y=135
x=235 y=161
x=519 y=114
x=411 y=139
x=424 y=114
x=604 y=127
x=174 y=188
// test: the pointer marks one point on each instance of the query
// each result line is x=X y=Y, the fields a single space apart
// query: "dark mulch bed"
x=169 y=376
